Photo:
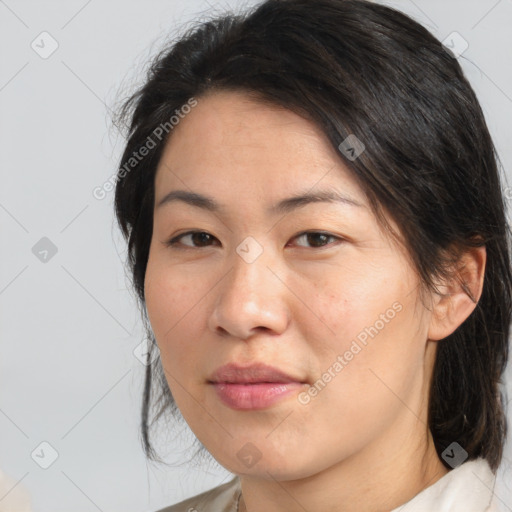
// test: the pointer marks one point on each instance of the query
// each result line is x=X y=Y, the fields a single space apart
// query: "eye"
x=201 y=238
x=317 y=239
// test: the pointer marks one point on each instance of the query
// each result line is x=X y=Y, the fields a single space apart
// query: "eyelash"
x=174 y=242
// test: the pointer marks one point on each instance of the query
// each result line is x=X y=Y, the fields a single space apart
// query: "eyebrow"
x=284 y=206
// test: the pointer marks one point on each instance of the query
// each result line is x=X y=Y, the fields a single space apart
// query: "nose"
x=250 y=298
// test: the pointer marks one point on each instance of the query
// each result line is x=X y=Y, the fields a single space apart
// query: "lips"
x=255 y=373
x=257 y=386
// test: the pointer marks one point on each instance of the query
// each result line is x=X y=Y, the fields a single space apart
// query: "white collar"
x=467 y=488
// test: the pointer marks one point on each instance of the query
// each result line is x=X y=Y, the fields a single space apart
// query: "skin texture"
x=362 y=443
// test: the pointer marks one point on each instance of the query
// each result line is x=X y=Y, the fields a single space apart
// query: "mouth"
x=257 y=386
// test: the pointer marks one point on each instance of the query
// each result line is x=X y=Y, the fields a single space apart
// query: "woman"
x=317 y=236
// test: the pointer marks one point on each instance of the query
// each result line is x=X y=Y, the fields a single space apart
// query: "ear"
x=458 y=297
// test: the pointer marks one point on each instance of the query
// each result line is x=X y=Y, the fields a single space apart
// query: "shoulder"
x=15 y=495
x=223 y=498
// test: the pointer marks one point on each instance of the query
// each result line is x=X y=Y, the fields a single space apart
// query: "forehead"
x=250 y=157
x=230 y=141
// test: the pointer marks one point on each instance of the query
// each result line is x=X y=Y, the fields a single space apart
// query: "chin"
x=281 y=471
x=262 y=459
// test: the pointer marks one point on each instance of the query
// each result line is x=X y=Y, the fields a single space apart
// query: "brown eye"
x=316 y=239
x=198 y=239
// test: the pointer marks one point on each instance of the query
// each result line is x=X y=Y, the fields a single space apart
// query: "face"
x=310 y=304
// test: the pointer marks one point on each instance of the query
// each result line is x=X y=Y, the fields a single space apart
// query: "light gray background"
x=68 y=327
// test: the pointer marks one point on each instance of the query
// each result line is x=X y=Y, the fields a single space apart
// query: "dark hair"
x=355 y=67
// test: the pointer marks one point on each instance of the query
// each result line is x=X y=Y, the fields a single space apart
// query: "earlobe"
x=458 y=297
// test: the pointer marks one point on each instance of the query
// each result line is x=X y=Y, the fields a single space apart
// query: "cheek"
x=370 y=327
x=173 y=303
x=374 y=361
x=348 y=301
x=174 y=310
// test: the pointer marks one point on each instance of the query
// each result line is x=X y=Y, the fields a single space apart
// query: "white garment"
x=467 y=488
